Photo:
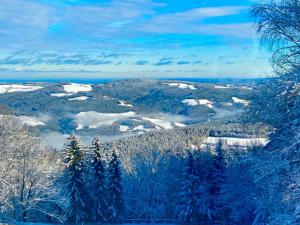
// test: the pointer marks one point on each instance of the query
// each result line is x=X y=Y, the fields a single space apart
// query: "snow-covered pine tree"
x=217 y=180
x=202 y=167
x=115 y=188
x=73 y=180
x=186 y=206
x=99 y=181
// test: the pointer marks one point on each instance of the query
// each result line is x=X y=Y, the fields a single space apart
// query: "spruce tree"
x=73 y=179
x=99 y=181
x=217 y=180
x=115 y=189
x=187 y=195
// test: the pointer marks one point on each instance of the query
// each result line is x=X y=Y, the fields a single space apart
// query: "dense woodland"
x=105 y=182
x=169 y=176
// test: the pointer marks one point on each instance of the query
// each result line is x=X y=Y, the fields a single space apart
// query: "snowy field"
x=182 y=85
x=59 y=95
x=241 y=101
x=195 y=102
x=76 y=88
x=12 y=88
x=80 y=98
x=222 y=87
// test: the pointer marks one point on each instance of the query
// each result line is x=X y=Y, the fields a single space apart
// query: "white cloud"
x=199 y=14
x=25 y=13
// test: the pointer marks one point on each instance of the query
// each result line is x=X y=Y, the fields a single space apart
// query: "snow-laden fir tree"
x=202 y=167
x=217 y=180
x=187 y=196
x=115 y=189
x=99 y=181
x=73 y=180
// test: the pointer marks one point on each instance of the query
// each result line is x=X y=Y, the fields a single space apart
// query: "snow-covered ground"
x=163 y=123
x=179 y=124
x=124 y=128
x=94 y=119
x=139 y=127
x=11 y=88
x=241 y=101
x=242 y=142
x=80 y=98
x=195 y=102
x=123 y=103
x=182 y=85
x=160 y=123
x=246 y=88
x=31 y=121
x=227 y=103
x=59 y=95
x=74 y=88
x=222 y=86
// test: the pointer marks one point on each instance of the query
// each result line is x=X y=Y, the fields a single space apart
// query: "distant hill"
x=123 y=107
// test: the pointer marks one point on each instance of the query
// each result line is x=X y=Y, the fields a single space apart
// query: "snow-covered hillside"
x=182 y=85
x=11 y=88
x=194 y=102
x=74 y=88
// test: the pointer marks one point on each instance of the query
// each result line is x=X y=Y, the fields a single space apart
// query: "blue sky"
x=130 y=38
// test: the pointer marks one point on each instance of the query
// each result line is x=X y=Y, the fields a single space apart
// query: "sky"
x=130 y=38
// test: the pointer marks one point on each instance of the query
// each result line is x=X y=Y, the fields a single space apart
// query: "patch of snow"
x=182 y=85
x=194 y=147
x=161 y=123
x=241 y=101
x=94 y=119
x=107 y=97
x=227 y=103
x=243 y=142
x=140 y=127
x=59 y=95
x=195 y=102
x=179 y=124
x=76 y=88
x=246 y=88
x=30 y=121
x=11 y=88
x=123 y=103
x=80 y=98
x=222 y=86
x=124 y=128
